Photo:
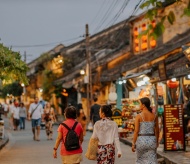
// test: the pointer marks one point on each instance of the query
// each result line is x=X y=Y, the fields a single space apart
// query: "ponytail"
x=149 y=109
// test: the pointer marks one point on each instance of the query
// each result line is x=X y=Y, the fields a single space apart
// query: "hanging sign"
x=173 y=128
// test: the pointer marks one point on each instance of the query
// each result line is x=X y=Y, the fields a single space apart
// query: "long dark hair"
x=79 y=107
x=106 y=109
x=146 y=102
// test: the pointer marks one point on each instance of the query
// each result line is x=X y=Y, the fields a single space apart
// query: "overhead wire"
x=43 y=45
x=136 y=8
x=127 y=20
x=117 y=15
x=105 y=17
x=99 y=12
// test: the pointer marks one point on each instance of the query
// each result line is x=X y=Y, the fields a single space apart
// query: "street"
x=21 y=148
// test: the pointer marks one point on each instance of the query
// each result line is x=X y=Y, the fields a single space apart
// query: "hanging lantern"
x=172 y=84
x=112 y=96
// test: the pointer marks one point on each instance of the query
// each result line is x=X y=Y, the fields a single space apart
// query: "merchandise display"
x=125 y=117
x=130 y=108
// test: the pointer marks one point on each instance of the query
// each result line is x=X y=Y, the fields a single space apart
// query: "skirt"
x=71 y=159
x=106 y=154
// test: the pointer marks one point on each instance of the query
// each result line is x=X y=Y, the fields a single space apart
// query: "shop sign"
x=162 y=70
x=174 y=136
x=1 y=129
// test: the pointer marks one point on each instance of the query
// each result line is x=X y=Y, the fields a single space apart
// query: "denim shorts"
x=36 y=122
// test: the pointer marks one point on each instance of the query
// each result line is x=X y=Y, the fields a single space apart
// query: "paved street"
x=21 y=149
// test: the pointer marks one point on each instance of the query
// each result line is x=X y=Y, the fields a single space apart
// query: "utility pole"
x=25 y=56
x=88 y=71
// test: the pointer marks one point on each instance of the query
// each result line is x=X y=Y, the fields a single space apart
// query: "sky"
x=37 y=26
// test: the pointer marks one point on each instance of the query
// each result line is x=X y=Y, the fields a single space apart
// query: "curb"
x=4 y=141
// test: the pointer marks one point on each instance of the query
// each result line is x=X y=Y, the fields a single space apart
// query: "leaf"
x=159 y=29
x=186 y=12
x=150 y=14
x=150 y=27
x=163 y=19
x=146 y=4
x=154 y=35
x=171 y=17
x=152 y=2
x=158 y=4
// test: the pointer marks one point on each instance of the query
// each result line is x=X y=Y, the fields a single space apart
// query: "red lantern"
x=172 y=84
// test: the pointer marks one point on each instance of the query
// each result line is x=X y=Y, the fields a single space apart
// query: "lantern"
x=172 y=84
x=153 y=43
x=112 y=96
x=144 y=37
x=137 y=41
x=144 y=46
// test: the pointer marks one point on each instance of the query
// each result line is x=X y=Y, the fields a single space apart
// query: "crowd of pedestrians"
x=16 y=113
x=104 y=141
x=37 y=113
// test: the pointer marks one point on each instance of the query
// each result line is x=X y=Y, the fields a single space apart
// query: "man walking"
x=35 y=113
x=94 y=112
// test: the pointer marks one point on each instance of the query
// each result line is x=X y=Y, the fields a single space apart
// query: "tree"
x=48 y=87
x=14 y=89
x=153 y=7
x=11 y=66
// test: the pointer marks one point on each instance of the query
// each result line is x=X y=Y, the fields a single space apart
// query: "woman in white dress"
x=106 y=131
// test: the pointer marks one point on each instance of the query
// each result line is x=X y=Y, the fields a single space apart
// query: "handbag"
x=46 y=118
x=92 y=149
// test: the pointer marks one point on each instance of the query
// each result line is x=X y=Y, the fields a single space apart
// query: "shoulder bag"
x=92 y=149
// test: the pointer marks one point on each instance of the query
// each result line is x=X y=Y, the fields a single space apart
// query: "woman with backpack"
x=70 y=135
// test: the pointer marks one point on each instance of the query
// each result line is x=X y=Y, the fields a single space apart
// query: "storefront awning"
x=68 y=84
x=133 y=75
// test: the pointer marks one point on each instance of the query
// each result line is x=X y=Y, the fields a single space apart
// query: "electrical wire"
x=98 y=13
x=43 y=45
x=124 y=5
x=105 y=17
x=136 y=8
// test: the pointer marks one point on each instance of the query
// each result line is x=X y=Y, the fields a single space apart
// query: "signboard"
x=174 y=137
x=162 y=70
x=1 y=129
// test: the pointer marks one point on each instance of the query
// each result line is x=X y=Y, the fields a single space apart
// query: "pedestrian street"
x=22 y=149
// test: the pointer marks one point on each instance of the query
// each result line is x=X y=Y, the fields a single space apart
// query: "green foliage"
x=14 y=89
x=153 y=6
x=48 y=78
x=44 y=57
x=58 y=90
x=171 y=17
x=187 y=10
x=11 y=66
x=159 y=29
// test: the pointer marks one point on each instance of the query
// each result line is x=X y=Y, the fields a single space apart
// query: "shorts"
x=16 y=121
x=71 y=159
x=36 y=122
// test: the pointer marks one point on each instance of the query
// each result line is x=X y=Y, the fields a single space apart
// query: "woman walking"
x=106 y=131
x=69 y=156
x=49 y=117
x=145 y=139
x=81 y=118
x=22 y=115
